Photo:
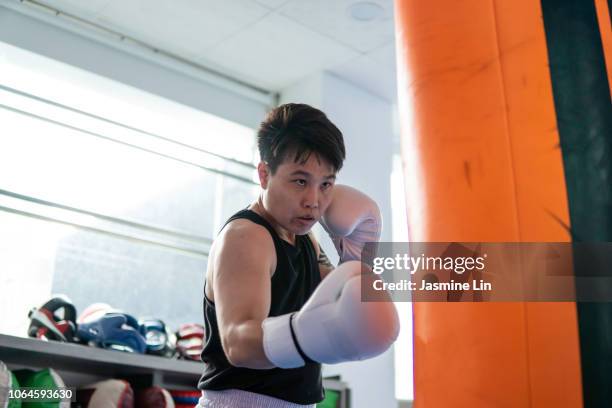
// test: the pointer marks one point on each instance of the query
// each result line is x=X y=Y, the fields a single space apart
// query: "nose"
x=311 y=198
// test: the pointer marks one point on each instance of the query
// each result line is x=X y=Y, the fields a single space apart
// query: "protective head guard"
x=160 y=341
x=106 y=394
x=55 y=320
x=8 y=381
x=47 y=379
x=190 y=341
x=154 y=397
x=94 y=312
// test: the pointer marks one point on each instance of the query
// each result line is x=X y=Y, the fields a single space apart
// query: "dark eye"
x=300 y=182
x=326 y=185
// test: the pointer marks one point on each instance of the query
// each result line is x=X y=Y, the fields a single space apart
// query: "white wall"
x=366 y=122
x=46 y=39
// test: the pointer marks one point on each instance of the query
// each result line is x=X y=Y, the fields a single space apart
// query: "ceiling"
x=270 y=44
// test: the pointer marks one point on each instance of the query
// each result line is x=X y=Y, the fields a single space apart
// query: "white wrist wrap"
x=278 y=342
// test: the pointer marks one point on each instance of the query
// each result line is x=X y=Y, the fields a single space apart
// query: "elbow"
x=237 y=349
x=238 y=359
x=233 y=352
x=235 y=358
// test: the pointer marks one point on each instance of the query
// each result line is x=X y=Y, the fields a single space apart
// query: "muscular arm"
x=241 y=284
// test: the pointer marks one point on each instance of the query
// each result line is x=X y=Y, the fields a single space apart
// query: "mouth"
x=307 y=219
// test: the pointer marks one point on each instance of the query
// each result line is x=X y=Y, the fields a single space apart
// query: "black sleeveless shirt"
x=295 y=278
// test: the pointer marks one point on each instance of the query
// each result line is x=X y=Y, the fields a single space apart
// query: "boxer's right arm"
x=244 y=257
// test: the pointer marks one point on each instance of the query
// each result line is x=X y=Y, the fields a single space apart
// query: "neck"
x=259 y=208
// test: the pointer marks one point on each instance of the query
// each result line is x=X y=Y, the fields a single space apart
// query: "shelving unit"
x=139 y=369
x=76 y=358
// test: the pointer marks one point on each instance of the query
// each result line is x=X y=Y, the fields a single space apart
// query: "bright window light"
x=109 y=193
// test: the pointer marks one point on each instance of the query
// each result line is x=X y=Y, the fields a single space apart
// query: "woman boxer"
x=274 y=307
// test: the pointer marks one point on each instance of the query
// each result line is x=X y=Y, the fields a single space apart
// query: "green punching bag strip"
x=584 y=118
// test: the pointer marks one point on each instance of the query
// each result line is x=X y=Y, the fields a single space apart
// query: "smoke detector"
x=364 y=11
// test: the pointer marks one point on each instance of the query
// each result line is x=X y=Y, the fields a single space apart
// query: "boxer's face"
x=297 y=194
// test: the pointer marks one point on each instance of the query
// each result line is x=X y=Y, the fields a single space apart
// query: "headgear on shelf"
x=108 y=394
x=190 y=340
x=160 y=341
x=55 y=320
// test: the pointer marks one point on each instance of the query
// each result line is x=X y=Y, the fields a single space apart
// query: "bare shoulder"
x=247 y=234
x=242 y=251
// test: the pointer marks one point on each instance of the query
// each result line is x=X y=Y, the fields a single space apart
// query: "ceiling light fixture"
x=364 y=11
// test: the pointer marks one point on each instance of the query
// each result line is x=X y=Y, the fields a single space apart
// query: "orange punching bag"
x=488 y=156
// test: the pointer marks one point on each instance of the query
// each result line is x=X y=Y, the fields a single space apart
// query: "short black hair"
x=298 y=129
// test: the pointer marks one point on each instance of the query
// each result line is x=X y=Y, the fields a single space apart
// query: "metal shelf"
x=138 y=369
x=77 y=358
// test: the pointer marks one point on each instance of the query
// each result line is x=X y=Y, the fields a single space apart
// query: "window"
x=109 y=193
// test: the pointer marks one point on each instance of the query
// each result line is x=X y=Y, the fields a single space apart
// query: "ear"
x=263 y=171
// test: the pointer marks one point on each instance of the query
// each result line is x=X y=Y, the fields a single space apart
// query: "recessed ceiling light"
x=365 y=11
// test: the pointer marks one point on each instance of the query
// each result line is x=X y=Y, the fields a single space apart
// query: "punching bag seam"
x=506 y=122
x=514 y=187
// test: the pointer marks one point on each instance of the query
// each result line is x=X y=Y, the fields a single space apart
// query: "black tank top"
x=295 y=278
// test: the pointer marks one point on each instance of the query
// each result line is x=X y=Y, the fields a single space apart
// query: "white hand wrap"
x=279 y=346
